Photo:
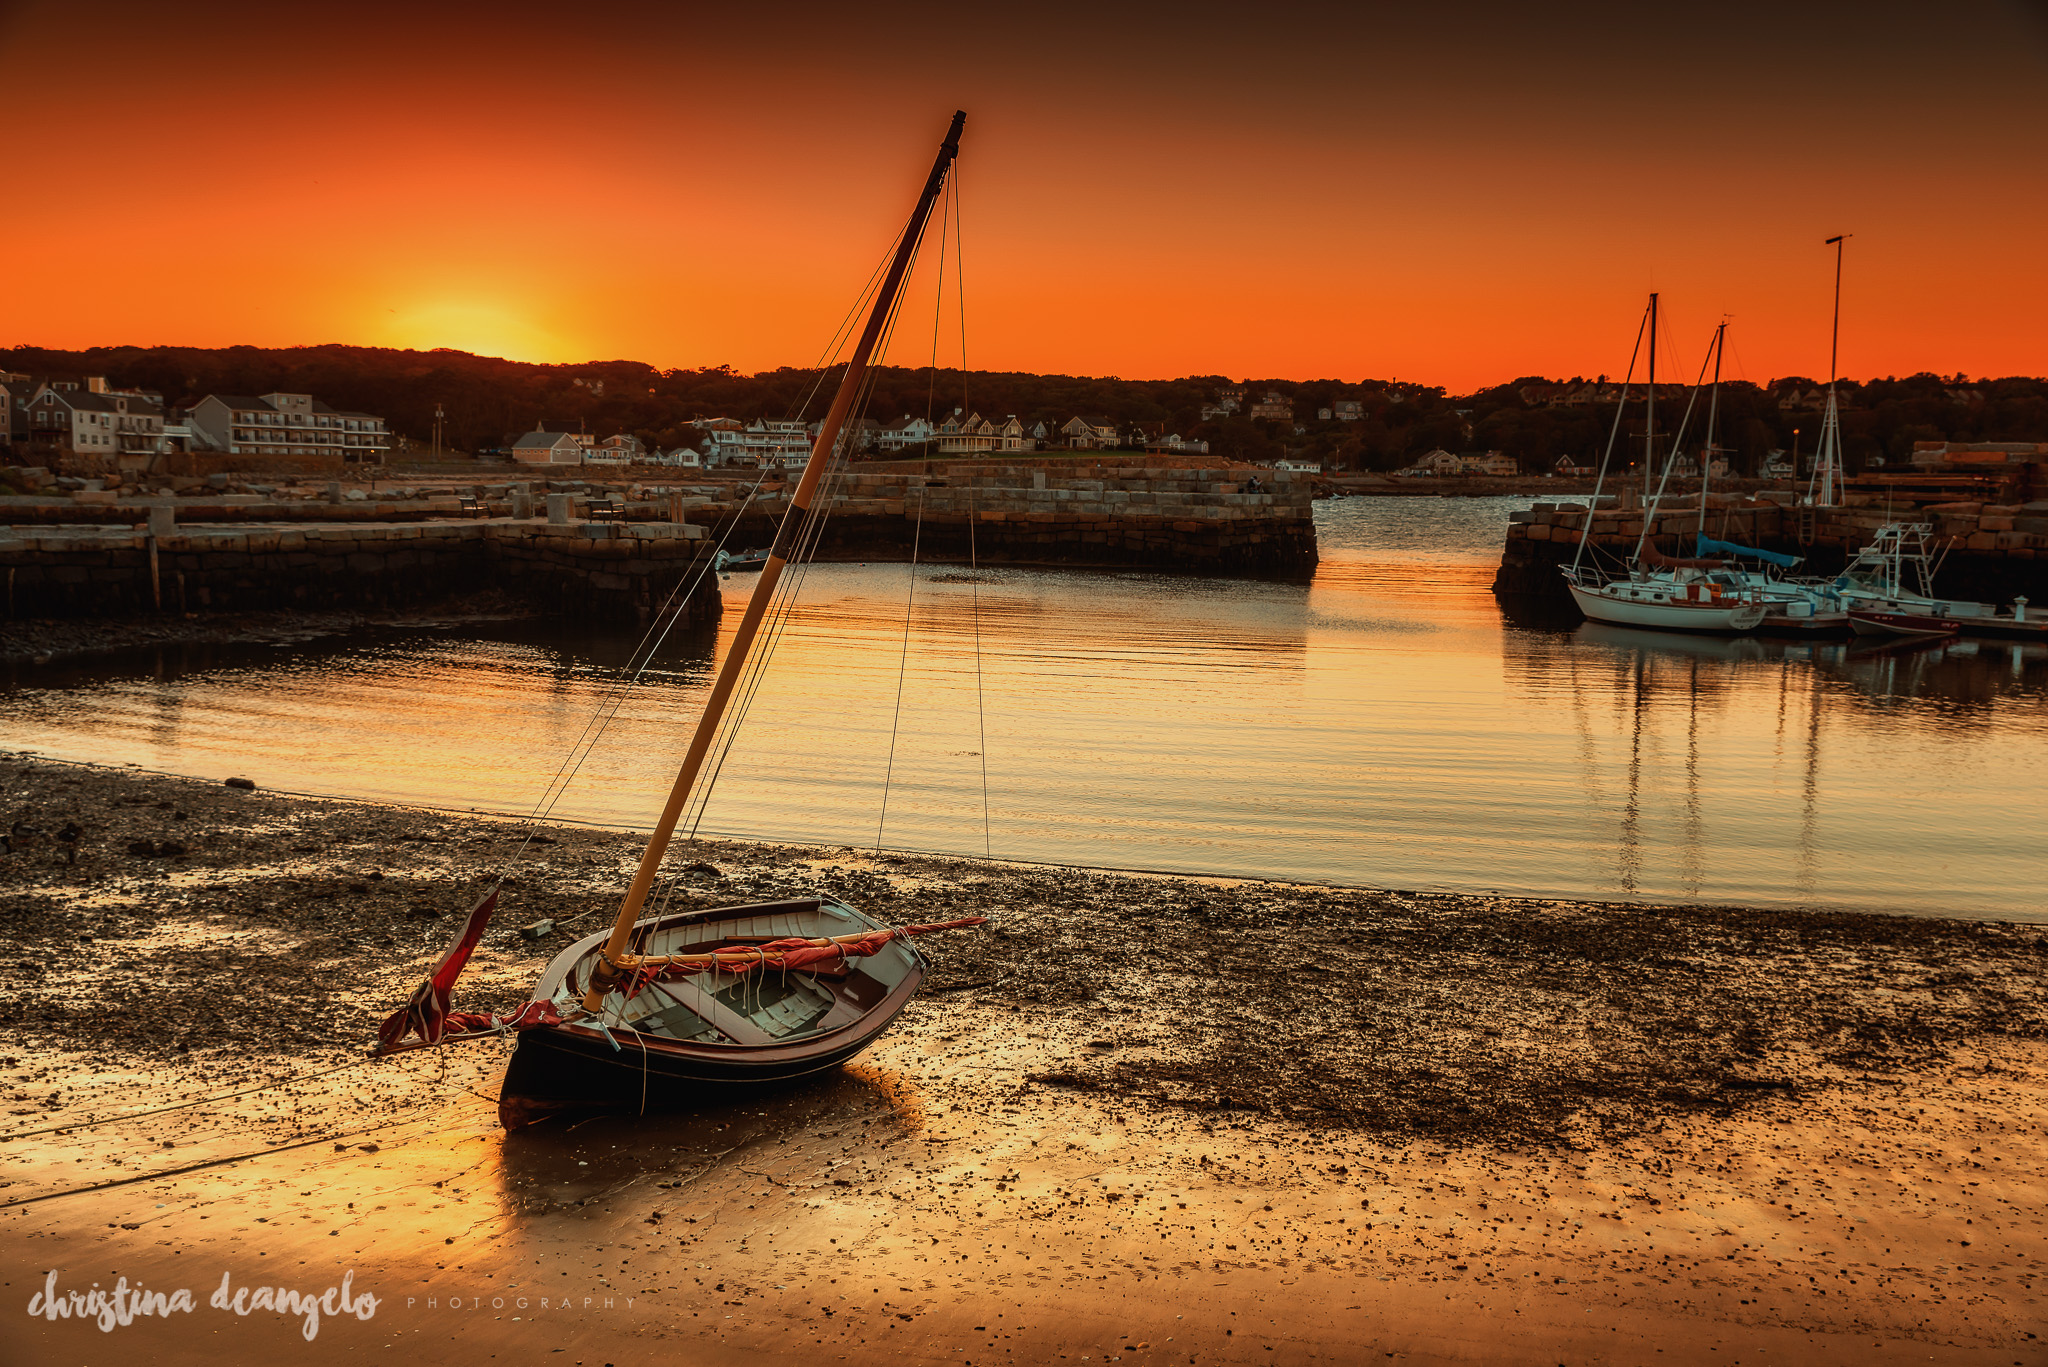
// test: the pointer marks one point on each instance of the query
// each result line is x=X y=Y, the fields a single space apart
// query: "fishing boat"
x=1889 y=586
x=740 y=562
x=1877 y=622
x=682 y=998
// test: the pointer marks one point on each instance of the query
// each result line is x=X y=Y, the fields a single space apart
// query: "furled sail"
x=1709 y=546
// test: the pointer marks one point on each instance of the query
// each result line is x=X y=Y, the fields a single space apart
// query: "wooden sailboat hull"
x=645 y=1065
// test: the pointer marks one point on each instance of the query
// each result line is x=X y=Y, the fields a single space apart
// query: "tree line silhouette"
x=487 y=402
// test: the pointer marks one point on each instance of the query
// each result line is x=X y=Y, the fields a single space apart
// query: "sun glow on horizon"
x=477 y=328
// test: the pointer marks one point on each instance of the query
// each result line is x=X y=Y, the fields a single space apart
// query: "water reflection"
x=1383 y=724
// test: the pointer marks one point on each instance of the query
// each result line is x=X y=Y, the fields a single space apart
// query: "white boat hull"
x=1667 y=614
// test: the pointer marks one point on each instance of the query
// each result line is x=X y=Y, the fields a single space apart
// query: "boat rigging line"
x=1677 y=442
x=902 y=670
x=1613 y=435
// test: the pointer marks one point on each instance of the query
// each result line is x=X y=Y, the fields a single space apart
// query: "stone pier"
x=1219 y=520
x=605 y=569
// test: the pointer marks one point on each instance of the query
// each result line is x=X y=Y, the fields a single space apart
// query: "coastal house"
x=1438 y=462
x=540 y=447
x=1568 y=467
x=622 y=449
x=1488 y=463
x=1347 y=410
x=95 y=427
x=777 y=442
x=1275 y=407
x=974 y=434
x=858 y=434
x=1093 y=433
x=686 y=456
x=15 y=392
x=725 y=440
x=1684 y=465
x=904 y=432
x=1778 y=465
x=287 y=425
x=1300 y=465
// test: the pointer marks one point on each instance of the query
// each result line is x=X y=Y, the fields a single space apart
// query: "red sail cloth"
x=425 y=1013
x=787 y=955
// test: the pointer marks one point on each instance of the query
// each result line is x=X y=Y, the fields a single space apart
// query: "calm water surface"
x=1381 y=725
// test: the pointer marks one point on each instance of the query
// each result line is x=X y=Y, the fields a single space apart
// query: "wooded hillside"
x=487 y=401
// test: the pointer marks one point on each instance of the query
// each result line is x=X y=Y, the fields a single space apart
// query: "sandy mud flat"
x=1135 y=1119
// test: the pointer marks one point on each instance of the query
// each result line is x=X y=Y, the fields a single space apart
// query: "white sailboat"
x=1655 y=590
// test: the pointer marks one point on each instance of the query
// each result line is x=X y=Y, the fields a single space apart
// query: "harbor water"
x=1382 y=724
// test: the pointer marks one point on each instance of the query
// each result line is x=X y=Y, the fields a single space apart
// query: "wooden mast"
x=615 y=956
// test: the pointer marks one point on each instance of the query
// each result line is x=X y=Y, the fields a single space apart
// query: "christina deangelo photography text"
x=121 y=1305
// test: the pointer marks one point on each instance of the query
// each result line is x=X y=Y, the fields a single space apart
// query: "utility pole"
x=437 y=431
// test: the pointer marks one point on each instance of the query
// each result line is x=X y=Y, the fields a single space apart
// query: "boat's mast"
x=1713 y=412
x=1831 y=433
x=1650 y=420
x=778 y=556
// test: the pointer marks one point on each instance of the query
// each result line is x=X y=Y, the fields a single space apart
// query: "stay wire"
x=902 y=670
x=781 y=612
x=1613 y=434
x=809 y=537
x=958 y=217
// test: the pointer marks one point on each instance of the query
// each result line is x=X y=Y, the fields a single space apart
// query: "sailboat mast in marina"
x=1653 y=589
x=1827 y=461
x=731 y=994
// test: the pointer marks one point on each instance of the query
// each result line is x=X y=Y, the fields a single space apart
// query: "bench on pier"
x=469 y=503
x=605 y=511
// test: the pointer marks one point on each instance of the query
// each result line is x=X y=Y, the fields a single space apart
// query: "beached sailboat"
x=732 y=994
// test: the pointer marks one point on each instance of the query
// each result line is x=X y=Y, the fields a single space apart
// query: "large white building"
x=287 y=425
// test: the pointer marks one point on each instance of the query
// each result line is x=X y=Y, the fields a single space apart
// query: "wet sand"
x=1137 y=1119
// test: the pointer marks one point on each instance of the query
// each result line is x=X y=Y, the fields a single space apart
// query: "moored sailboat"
x=1669 y=593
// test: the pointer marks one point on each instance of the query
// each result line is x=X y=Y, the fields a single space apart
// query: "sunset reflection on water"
x=1383 y=724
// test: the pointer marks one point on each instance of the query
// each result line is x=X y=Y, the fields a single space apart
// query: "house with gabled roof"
x=1092 y=433
x=96 y=427
x=540 y=447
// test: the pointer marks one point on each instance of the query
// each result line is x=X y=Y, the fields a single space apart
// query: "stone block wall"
x=1164 y=517
x=599 y=569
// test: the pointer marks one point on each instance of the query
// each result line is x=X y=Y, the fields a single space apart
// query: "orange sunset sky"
x=1456 y=193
